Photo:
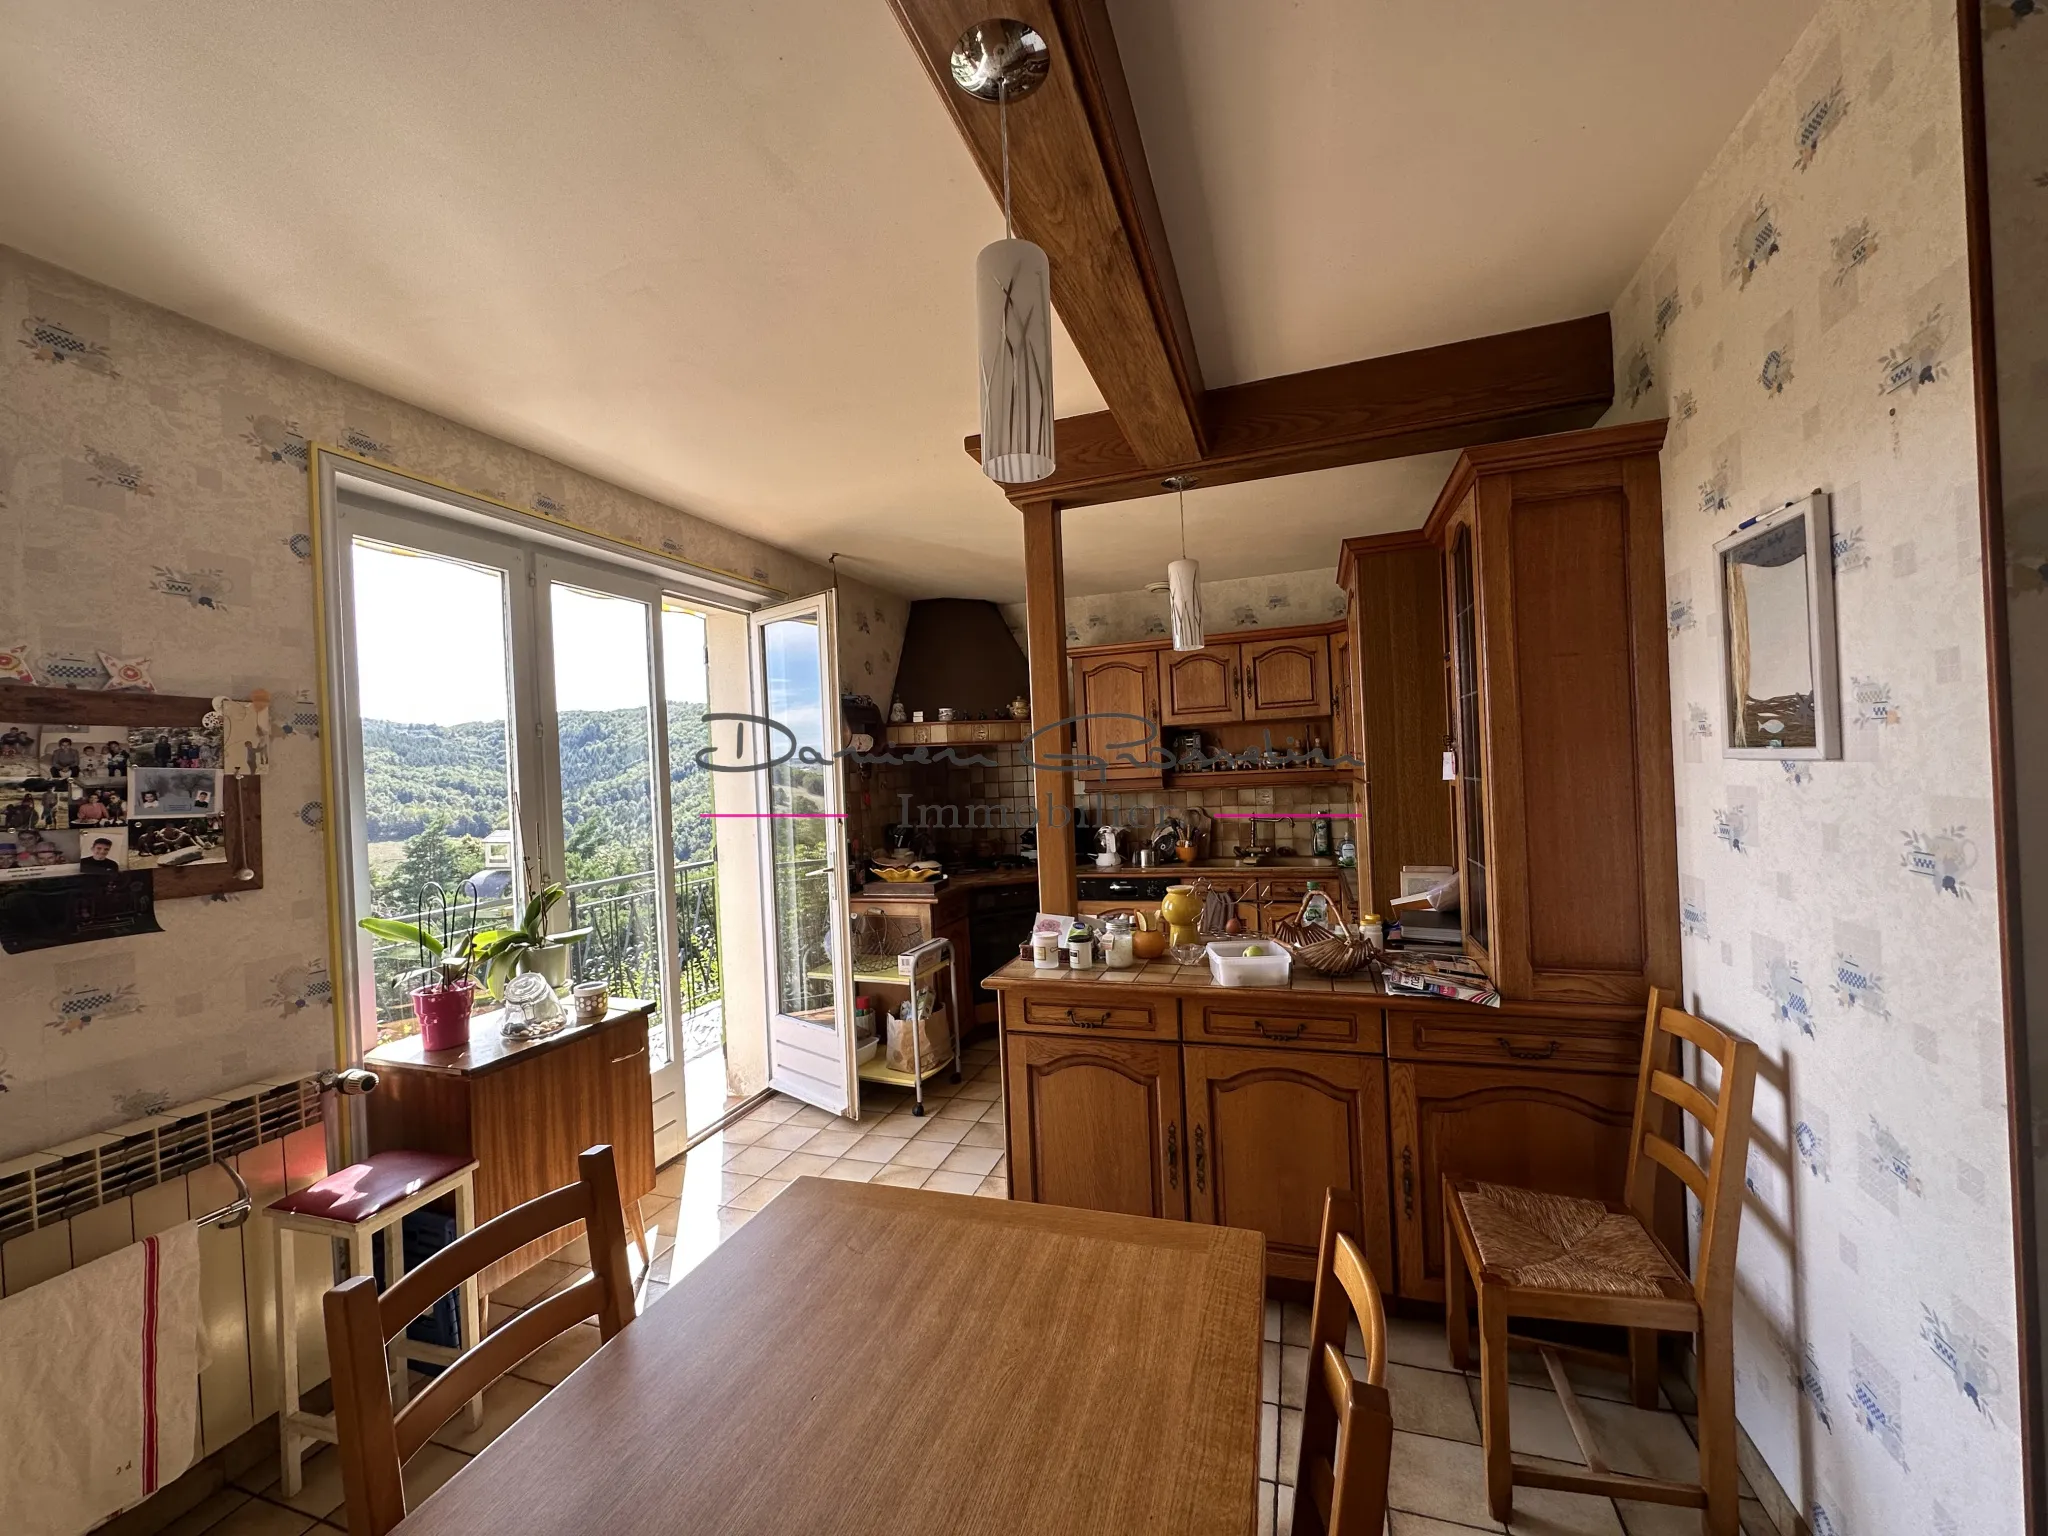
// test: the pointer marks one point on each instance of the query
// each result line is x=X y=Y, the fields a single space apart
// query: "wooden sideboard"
x=1154 y=1092
x=524 y=1110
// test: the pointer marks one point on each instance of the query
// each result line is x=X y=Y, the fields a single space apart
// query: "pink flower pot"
x=443 y=1013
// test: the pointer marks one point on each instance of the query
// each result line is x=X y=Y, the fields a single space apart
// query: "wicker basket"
x=1322 y=950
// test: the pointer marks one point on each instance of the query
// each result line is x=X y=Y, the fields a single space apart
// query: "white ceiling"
x=720 y=253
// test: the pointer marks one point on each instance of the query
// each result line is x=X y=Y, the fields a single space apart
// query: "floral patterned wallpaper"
x=153 y=504
x=1803 y=322
x=1249 y=602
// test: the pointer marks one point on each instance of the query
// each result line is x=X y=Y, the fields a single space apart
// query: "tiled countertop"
x=1166 y=976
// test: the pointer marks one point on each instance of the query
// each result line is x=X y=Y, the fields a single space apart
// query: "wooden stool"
x=1530 y=1254
x=353 y=1206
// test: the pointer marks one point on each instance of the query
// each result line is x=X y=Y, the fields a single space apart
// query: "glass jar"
x=1117 y=951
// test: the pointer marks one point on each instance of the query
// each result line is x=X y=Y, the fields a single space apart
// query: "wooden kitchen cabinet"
x=1286 y=679
x=1199 y=687
x=1270 y=1129
x=1559 y=699
x=1558 y=1131
x=1122 y=684
x=1095 y=1123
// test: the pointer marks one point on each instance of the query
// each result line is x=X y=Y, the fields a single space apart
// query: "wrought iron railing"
x=623 y=949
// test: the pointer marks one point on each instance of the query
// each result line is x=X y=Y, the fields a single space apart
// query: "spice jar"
x=1117 y=952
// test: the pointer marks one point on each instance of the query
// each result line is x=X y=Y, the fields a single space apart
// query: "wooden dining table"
x=862 y=1359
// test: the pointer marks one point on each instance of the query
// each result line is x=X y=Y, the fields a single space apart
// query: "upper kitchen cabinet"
x=1559 y=701
x=1287 y=678
x=1199 y=687
x=1391 y=714
x=1116 y=696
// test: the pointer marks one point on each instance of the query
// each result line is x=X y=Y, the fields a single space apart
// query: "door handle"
x=1524 y=1052
x=1201 y=1162
x=1408 y=1182
x=1080 y=1023
x=1172 y=1155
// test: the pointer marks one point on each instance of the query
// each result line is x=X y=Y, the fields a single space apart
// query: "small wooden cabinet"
x=1199 y=687
x=1095 y=1123
x=1562 y=1132
x=1286 y=679
x=1269 y=1130
x=1116 y=696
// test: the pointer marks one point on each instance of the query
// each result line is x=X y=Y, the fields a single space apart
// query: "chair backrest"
x=1724 y=1115
x=1347 y=1425
x=375 y=1442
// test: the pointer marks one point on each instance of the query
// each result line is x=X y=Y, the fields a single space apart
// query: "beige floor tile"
x=206 y=1515
x=996 y=1187
x=950 y=1132
x=555 y=1359
x=1432 y=1403
x=952 y=1183
x=731 y=1219
x=994 y=1110
x=982 y=1088
x=257 y=1518
x=1265 y=1506
x=833 y=1143
x=1401 y=1523
x=668 y=1182
x=754 y=1160
x=1288 y=1453
x=1283 y=1508
x=504 y=1401
x=1446 y=1480
x=1272 y=1330
x=962 y=1109
x=850 y=1171
x=730 y=1184
x=1413 y=1341
x=788 y=1136
x=429 y=1469
x=319 y=1492
x=1269 y=1440
x=1293 y=1375
x=801 y=1165
x=902 y=1176
x=876 y=1147
x=983 y=1133
x=1269 y=1371
x=979 y=1161
x=773 y=1111
x=922 y=1154
x=758 y=1194
x=739 y=1133
x=1536 y=1423
x=530 y=1285
x=1646 y=1442
x=812 y=1117
x=1293 y=1323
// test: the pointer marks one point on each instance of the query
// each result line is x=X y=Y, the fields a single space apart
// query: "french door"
x=513 y=701
x=803 y=853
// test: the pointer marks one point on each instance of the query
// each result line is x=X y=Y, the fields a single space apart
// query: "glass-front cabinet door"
x=803 y=849
x=1468 y=740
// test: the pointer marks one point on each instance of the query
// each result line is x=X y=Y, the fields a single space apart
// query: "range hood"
x=958 y=654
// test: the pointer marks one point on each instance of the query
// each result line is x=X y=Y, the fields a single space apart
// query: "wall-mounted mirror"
x=1779 y=697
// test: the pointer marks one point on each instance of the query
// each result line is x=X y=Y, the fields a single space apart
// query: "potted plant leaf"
x=446 y=991
x=529 y=947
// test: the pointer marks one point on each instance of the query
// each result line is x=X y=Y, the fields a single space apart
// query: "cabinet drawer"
x=1490 y=1036
x=1238 y=1022
x=1094 y=1010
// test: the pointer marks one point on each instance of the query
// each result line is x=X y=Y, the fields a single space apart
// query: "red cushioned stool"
x=353 y=1206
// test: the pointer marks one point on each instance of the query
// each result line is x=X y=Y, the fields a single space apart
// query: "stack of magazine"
x=1438 y=975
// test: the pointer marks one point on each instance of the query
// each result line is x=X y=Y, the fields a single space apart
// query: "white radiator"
x=71 y=1204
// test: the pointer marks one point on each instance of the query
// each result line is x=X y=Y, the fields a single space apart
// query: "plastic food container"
x=1232 y=967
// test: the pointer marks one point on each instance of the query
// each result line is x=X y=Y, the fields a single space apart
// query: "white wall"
x=1804 y=322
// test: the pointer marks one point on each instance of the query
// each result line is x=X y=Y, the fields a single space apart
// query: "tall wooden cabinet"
x=1559 y=693
x=1116 y=696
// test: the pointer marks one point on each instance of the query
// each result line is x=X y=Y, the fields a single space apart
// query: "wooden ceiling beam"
x=1551 y=378
x=1080 y=188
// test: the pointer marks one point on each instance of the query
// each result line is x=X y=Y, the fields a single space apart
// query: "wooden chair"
x=375 y=1442
x=1585 y=1261
x=1347 y=1425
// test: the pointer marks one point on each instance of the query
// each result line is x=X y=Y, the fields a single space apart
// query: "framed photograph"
x=173 y=746
x=1780 y=696
x=176 y=843
x=173 y=792
x=85 y=754
x=29 y=854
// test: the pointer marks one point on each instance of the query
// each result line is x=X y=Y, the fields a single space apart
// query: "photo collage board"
x=96 y=799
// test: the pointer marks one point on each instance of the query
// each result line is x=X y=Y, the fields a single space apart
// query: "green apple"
x=1254 y=951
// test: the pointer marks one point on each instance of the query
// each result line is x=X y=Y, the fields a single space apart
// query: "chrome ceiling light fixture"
x=1184 y=578
x=1002 y=60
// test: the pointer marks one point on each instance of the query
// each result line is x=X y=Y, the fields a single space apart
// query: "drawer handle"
x=1080 y=1023
x=629 y=1056
x=1408 y=1182
x=1172 y=1155
x=1526 y=1053
x=1277 y=1034
x=1201 y=1162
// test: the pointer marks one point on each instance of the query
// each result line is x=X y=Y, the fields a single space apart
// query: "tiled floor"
x=1437 y=1488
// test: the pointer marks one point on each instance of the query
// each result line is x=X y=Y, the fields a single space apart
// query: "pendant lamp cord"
x=1003 y=128
x=1182 y=497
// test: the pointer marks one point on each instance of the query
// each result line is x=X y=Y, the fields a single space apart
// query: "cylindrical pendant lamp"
x=1013 y=301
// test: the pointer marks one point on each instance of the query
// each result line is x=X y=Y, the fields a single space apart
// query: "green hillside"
x=455 y=774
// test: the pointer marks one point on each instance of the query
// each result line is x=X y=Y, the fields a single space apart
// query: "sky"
x=431 y=644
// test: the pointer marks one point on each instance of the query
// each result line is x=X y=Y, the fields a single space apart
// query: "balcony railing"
x=623 y=949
